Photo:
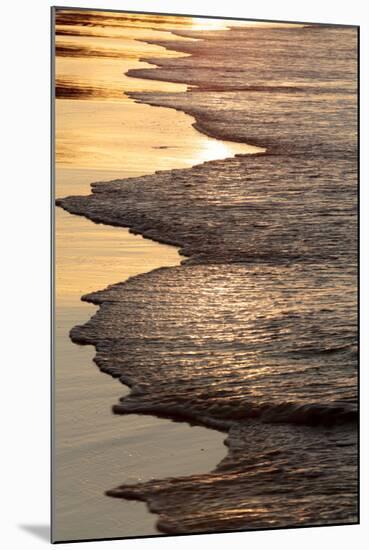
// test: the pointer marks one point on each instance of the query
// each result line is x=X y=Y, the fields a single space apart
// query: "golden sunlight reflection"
x=95 y=119
x=90 y=257
x=102 y=134
x=112 y=136
x=228 y=327
x=212 y=149
x=199 y=23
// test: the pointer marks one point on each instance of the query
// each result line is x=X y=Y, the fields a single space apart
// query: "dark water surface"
x=255 y=334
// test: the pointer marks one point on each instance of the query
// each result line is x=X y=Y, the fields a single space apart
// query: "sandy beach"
x=253 y=335
x=94 y=449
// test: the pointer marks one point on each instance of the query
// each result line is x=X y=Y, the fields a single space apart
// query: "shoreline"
x=211 y=441
x=135 y=402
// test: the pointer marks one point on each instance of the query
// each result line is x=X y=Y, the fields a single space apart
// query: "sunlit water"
x=256 y=335
x=102 y=134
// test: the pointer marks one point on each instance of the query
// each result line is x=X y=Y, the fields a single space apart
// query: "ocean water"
x=255 y=333
x=102 y=134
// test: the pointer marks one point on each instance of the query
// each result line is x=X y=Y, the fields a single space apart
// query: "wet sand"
x=94 y=449
x=295 y=368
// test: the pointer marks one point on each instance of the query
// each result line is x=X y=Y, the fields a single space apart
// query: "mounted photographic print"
x=205 y=320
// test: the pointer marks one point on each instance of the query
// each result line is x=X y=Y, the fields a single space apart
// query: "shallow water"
x=255 y=334
x=232 y=341
x=100 y=136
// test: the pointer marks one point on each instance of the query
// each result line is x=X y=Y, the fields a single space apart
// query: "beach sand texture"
x=255 y=333
x=100 y=136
